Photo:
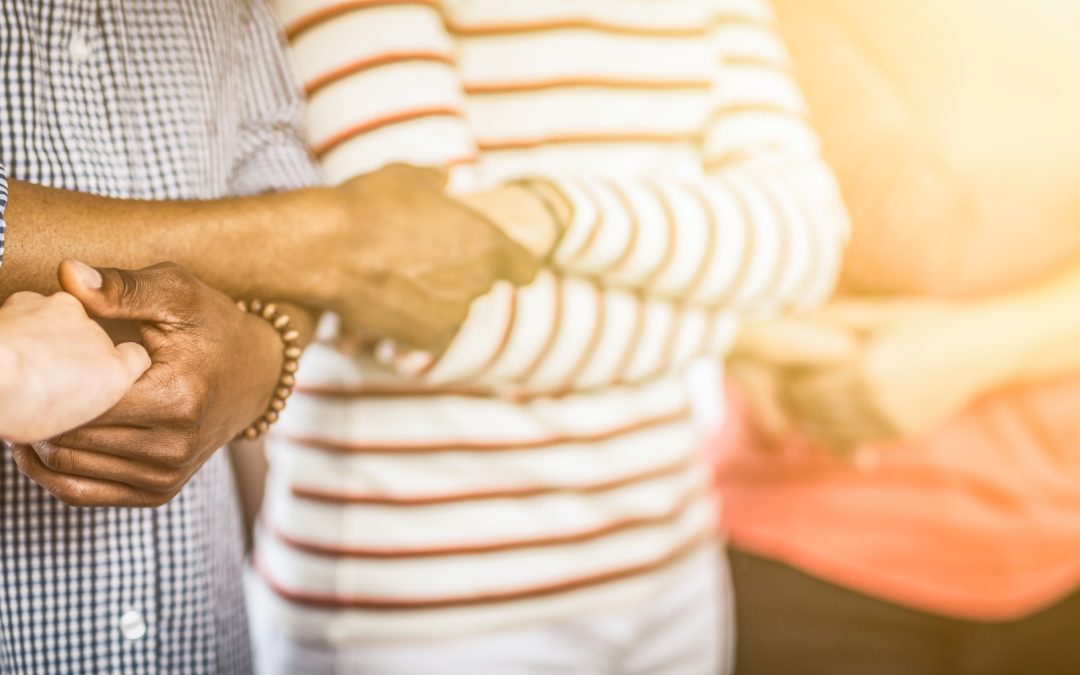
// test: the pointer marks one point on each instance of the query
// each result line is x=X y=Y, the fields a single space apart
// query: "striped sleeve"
x=3 y=208
x=760 y=231
x=382 y=84
x=565 y=333
x=272 y=152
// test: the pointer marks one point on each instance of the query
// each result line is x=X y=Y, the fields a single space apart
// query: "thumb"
x=109 y=293
x=517 y=264
x=134 y=358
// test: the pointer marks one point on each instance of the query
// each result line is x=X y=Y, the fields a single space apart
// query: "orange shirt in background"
x=978 y=520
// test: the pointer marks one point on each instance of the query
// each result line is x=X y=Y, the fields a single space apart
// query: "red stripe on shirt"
x=638 y=522
x=368 y=126
x=569 y=82
x=489 y=445
x=572 y=23
x=321 y=495
x=377 y=603
x=309 y=21
x=345 y=70
x=494 y=145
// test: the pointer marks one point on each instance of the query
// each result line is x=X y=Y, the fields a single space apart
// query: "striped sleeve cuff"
x=3 y=207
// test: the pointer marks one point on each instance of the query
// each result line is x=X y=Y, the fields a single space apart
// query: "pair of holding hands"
x=389 y=252
x=135 y=421
x=860 y=371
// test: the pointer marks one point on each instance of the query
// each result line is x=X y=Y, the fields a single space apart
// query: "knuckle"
x=175 y=454
x=187 y=408
x=23 y=297
x=131 y=290
x=166 y=481
x=56 y=458
x=66 y=301
x=167 y=266
x=182 y=287
x=156 y=500
x=75 y=494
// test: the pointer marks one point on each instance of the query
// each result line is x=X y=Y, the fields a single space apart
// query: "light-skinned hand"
x=58 y=368
x=214 y=369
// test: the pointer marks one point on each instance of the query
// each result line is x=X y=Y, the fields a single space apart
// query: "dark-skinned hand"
x=214 y=369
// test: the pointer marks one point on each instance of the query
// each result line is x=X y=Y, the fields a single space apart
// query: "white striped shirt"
x=546 y=464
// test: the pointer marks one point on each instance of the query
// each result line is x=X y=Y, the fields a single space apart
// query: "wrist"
x=277 y=244
x=279 y=353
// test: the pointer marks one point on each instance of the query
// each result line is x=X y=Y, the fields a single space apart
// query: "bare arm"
x=237 y=245
x=365 y=249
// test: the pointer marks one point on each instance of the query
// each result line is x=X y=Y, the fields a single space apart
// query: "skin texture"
x=59 y=368
x=213 y=370
x=388 y=251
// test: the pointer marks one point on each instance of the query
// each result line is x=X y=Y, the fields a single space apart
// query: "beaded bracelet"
x=290 y=339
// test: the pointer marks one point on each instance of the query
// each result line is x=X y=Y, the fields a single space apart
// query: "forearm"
x=565 y=334
x=1046 y=326
x=1012 y=338
x=239 y=246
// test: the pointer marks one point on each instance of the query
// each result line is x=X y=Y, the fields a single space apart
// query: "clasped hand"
x=863 y=370
x=213 y=370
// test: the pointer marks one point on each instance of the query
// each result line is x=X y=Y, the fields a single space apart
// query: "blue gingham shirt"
x=152 y=99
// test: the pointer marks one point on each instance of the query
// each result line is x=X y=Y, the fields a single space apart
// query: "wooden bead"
x=242 y=305
x=282 y=393
x=263 y=426
x=291 y=335
x=256 y=306
x=293 y=352
x=271 y=416
x=251 y=433
x=282 y=321
x=290 y=366
x=269 y=311
x=288 y=380
x=277 y=405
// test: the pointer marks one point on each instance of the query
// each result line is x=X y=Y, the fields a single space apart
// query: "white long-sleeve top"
x=546 y=463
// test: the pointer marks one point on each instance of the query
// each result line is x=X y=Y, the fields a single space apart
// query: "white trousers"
x=687 y=629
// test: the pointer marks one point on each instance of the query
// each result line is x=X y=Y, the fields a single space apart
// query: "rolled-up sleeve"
x=273 y=154
x=3 y=207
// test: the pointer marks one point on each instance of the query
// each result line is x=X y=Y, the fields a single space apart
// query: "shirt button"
x=79 y=48
x=132 y=625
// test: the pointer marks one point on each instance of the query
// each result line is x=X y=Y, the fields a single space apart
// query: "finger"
x=139 y=407
x=134 y=358
x=151 y=294
x=89 y=464
x=20 y=298
x=833 y=407
x=792 y=343
x=131 y=442
x=760 y=387
x=83 y=492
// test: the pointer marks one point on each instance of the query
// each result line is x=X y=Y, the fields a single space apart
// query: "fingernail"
x=90 y=276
